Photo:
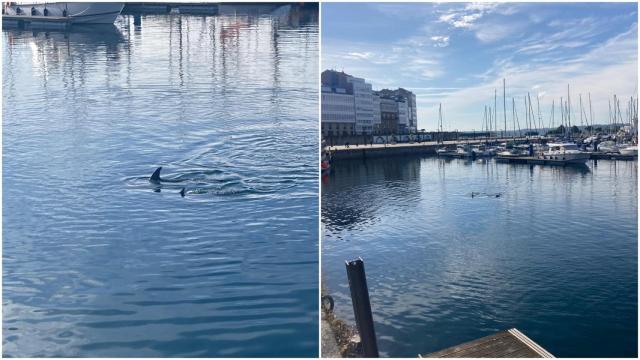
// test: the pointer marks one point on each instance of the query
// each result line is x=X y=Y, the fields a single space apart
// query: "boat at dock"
x=62 y=12
x=631 y=150
x=608 y=147
x=566 y=153
x=466 y=151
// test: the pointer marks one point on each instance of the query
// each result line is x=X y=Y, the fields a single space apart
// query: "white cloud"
x=440 y=41
x=488 y=33
x=467 y=17
x=460 y=20
x=608 y=69
x=359 y=55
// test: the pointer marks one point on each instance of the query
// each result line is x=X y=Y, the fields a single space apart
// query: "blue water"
x=99 y=262
x=555 y=255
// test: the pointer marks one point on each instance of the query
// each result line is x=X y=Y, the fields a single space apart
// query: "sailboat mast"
x=440 y=121
x=568 y=111
x=495 y=110
x=504 y=103
x=539 y=116
x=562 y=112
x=553 y=106
x=581 y=121
x=513 y=115
x=590 y=115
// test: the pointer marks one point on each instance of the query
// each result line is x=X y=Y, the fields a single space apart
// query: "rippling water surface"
x=554 y=255
x=97 y=261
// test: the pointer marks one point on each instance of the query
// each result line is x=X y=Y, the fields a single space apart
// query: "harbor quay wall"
x=365 y=151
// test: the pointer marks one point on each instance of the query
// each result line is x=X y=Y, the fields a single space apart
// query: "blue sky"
x=458 y=53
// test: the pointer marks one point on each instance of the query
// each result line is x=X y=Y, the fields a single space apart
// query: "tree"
x=559 y=130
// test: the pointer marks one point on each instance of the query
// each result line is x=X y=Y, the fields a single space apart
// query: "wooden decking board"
x=483 y=341
x=513 y=348
x=524 y=353
x=489 y=350
x=509 y=343
x=499 y=349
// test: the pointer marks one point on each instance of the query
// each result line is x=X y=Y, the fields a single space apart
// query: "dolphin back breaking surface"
x=155 y=177
x=217 y=182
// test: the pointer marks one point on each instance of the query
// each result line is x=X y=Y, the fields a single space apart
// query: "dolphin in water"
x=155 y=179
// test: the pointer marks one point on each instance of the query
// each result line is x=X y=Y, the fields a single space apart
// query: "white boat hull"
x=568 y=157
x=77 y=12
x=629 y=151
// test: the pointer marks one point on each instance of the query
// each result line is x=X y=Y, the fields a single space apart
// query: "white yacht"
x=629 y=150
x=565 y=152
x=77 y=12
x=483 y=151
x=608 y=147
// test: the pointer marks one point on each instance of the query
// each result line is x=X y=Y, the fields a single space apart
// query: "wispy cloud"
x=598 y=72
x=440 y=41
x=458 y=53
x=466 y=16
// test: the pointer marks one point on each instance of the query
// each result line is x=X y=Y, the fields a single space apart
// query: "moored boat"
x=629 y=150
x=608 y=147
x=75 y=12
x=565 y=153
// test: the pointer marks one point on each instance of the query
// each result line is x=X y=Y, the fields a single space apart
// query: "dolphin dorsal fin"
x=155 y=177
x=183 y=191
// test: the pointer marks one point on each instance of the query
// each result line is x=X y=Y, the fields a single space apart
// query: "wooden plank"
x=530 y=343
x=509 y=343
x=505 y=346
x=455 y=351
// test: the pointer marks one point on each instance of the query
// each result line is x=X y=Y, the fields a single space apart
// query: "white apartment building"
x=338 y=115
x=403 y=114
x=377 y=114
x=350 y=107
x=413 y=113
x=363 y=105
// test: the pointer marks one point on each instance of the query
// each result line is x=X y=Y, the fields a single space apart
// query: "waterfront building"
x=388 y=115
x=347 y=105
x=338 y=116
x=351 y=107
x=403 y=115
x=338 y=112
x=410 y=98
x=377 y=116
x=363 y=102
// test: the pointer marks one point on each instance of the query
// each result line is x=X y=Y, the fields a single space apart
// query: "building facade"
x=338 y=112
x=403 y=115
x=388 y=115
x=410 y=98
x=363 y=101
x=377 y=116
x=350 y=107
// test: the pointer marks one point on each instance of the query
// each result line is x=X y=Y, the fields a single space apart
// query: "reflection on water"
x=96 y=262
x=555 y=255
x=397 y=180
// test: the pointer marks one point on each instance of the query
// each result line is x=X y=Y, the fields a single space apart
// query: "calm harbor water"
x=99 y=262
x=555 y=255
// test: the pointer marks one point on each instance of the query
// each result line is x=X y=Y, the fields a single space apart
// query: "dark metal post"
x=362 y=307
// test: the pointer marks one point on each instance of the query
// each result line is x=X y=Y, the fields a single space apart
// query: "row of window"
x=338 y=117
x=335 y=108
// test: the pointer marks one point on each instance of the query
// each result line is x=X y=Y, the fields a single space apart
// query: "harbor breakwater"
x=369 y=151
